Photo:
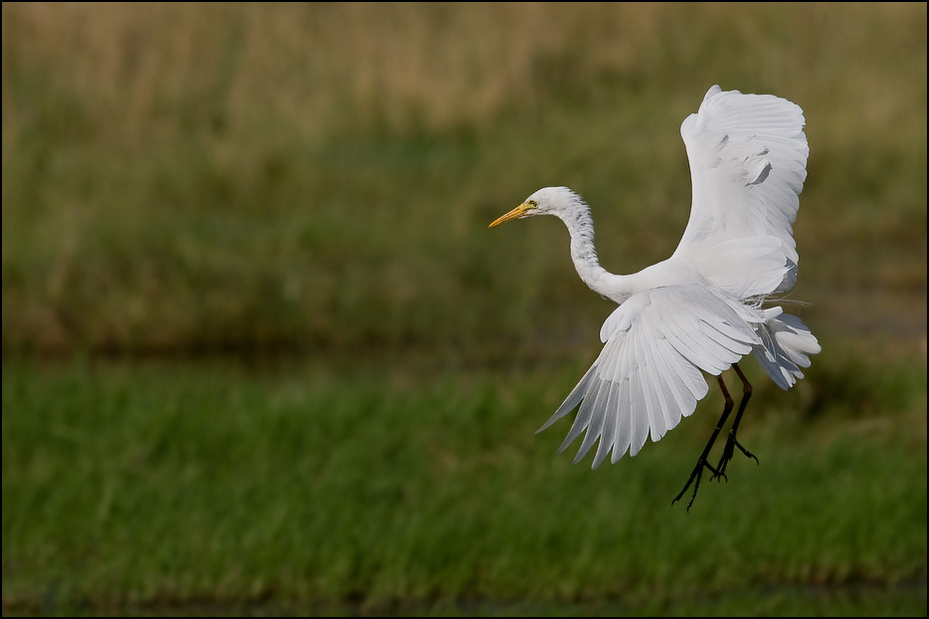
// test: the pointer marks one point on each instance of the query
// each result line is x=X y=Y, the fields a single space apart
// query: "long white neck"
x=581 y=228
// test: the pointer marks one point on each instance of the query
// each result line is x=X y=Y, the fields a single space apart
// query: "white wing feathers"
x=648 y=375
x=747 y=156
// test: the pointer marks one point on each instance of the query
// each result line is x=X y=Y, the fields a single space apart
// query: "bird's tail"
x=786 y=346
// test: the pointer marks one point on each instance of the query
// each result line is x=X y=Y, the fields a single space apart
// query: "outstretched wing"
x=648 y=375
x=747 y=157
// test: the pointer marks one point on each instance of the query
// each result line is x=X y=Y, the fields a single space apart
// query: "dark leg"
x=701 y=462
x=731 y=442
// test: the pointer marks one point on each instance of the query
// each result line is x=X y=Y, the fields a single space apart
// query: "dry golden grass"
x=431 y=65
x=434 y=65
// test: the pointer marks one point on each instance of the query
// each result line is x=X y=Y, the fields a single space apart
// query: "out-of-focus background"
x=261 y=353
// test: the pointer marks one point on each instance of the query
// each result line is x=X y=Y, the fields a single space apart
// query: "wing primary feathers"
x=609 y=426
x=573 y=398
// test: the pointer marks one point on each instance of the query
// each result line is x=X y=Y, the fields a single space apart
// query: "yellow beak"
x=516 y=213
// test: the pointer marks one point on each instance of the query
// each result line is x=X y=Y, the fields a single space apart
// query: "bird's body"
x=702 y=308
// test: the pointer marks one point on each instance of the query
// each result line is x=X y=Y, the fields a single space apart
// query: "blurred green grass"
x=152 y=486
x=225 y=179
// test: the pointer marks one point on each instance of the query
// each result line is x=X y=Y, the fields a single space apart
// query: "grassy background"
x=306 y=189
x=214 y=179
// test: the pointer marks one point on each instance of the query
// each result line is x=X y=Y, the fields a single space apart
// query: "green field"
x=313 y=490
x=261 y=354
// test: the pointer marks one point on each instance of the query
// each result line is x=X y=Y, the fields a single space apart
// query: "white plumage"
x=701 y=309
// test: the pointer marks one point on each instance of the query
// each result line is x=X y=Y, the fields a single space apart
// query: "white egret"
x=702 y=308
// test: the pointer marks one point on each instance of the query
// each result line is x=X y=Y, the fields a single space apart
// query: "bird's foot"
x=695 y=480
x=728 y=452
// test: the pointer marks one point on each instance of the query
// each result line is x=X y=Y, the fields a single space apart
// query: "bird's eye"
x=533 y=203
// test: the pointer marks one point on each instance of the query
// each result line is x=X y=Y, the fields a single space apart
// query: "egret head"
x=557 y=201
